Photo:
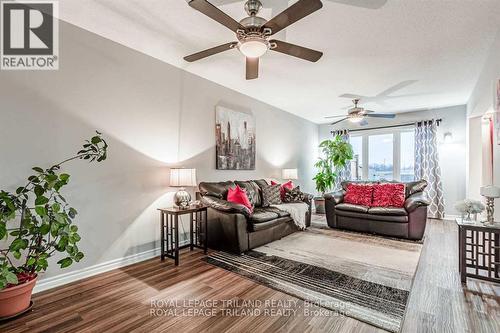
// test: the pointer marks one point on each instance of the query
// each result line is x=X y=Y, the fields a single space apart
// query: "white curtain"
x=427 y=165
x=344 y=173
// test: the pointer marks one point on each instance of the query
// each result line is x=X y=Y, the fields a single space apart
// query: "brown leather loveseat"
x=406 y=222
x=232 y=228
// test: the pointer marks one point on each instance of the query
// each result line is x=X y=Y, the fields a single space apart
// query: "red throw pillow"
x=389 y=195
x=239 y=196
x=288 y=185
x=359 y=194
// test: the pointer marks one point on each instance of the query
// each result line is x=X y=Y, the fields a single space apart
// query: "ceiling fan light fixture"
x=356 y=118
x=253 y=47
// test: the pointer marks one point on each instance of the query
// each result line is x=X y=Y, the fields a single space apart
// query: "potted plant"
x=36 y=221
x=336 y=154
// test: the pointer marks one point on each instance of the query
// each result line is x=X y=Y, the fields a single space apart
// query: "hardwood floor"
x=121 y=300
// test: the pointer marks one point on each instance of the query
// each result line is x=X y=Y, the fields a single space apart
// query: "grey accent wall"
x=154 y=116
x=452 y=155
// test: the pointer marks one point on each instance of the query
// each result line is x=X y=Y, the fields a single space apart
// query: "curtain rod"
x=438 y=121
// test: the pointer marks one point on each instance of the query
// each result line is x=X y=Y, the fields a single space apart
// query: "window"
x=380 y=157
x=383 y=155
x=407 y=156
x=357 y=161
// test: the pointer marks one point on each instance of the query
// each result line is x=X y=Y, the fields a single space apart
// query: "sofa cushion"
x=215 y=189
x=359 y=194
x=293 y=195
x=253 y=191
x=281 y=213
x=358 y=182
x=239 y=196
x=389 y=195
x=271 y=195
x=288 y=184
x=352 y=208
x=372 y=217
x=262 y=215
x=267 y=225
x=415 y=187
x=395 y=211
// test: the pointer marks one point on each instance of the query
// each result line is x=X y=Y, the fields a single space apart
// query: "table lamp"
x=289 y=174
x=490 y=192
x=182 y=178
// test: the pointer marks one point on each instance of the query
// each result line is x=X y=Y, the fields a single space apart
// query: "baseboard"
x=65 y=278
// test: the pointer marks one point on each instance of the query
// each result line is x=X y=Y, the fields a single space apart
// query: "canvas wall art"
x=235 y=139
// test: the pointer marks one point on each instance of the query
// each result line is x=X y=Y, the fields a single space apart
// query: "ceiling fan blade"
x=380 y=115
x=396 y=87
x=370 y=4
x=352 y=96
x=292 y=14
x=216 y=14
x=328 y=117
x=363 y=122
x=296 y=51
x=209 y=52
x=339 y=121
x=252 y=68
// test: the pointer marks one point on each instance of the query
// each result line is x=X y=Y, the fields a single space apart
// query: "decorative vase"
x=15 y=300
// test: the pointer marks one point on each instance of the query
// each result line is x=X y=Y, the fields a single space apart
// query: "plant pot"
x=319 y=205
x=16 y=299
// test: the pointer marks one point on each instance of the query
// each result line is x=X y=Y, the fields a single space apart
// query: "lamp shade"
x=183 y=177
x=490 y=191
x=289 y=174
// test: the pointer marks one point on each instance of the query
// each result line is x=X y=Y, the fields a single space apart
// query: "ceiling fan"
x=357 y=114
x=253 y=32
x=381 y=97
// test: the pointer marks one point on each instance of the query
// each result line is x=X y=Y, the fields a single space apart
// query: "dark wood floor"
x=120 y=300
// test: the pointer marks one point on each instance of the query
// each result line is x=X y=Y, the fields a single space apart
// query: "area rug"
x=361 y=276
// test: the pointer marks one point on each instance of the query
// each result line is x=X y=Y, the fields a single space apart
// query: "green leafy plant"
x=337 y=153
x=36 y=221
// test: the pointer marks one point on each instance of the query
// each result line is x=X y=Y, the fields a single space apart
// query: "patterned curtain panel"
x=344 y=173
x=427 y=165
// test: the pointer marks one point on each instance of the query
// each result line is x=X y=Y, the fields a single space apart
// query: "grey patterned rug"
x=364 y=277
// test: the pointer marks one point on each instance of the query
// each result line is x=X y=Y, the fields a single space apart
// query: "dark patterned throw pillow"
x=271 y=195
x=293 y=195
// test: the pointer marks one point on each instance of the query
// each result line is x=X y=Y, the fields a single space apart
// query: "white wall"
x=482 y=101
x=154 y=116
x=452 y=155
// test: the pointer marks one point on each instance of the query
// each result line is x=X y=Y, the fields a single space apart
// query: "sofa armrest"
x=337 y=197
x=416 y=200
x=308 y=198
x=225 y=206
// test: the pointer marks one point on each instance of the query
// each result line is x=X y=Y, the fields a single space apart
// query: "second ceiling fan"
x=357 y=114
x=254 y=33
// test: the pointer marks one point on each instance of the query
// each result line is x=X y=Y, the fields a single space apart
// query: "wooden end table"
x=479 y=250
x=169 y=224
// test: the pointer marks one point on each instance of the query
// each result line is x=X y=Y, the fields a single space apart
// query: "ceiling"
x=430 y=52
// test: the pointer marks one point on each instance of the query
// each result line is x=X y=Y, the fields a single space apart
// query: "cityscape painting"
x=234 y=140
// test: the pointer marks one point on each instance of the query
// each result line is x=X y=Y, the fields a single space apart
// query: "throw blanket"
x=297 y=212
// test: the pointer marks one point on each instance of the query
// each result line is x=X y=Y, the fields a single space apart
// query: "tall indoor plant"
x=36 y=221
x=336 y=154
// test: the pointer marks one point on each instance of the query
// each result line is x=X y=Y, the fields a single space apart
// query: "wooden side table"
x=169 y=224
x=479 y=250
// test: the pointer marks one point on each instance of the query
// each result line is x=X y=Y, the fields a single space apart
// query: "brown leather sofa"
x=232 y=228
x=407 y=222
